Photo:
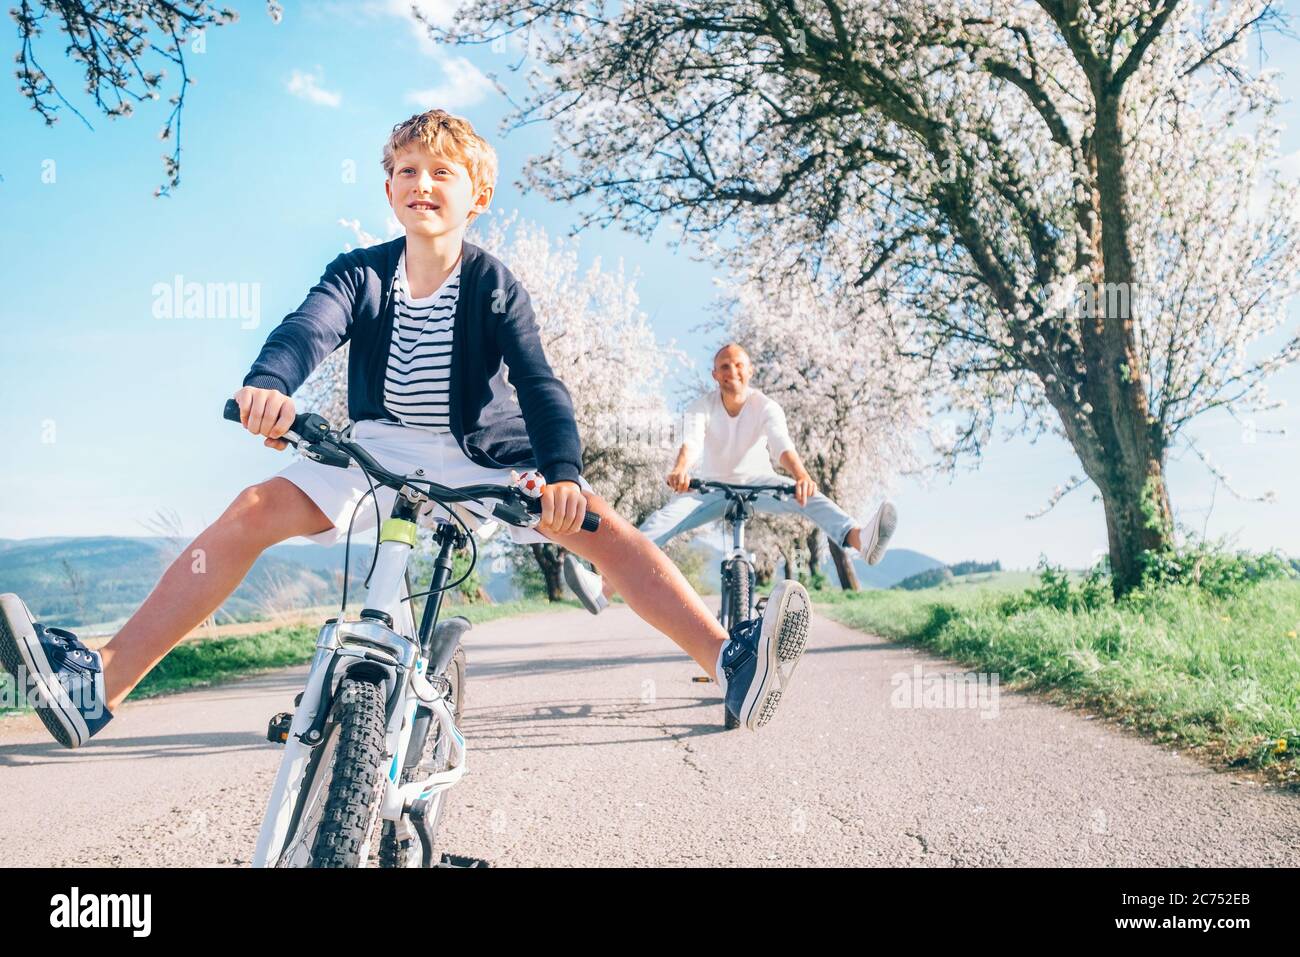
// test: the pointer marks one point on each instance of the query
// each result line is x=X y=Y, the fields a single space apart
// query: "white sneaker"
x=586 y=585
x=877 y=533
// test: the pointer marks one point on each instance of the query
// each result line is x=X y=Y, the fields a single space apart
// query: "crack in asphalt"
x=689 y=754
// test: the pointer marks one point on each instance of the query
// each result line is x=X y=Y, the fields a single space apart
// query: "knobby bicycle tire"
x=356 y=778
x=741 y=594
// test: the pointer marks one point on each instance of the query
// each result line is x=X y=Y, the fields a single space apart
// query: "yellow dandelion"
x=1280 y=747
x=1291 y=633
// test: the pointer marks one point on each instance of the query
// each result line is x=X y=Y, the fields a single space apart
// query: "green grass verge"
x=205 y=662
x=1218 y=676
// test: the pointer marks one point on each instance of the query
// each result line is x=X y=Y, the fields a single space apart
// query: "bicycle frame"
x=397 y=656
x=383 y=647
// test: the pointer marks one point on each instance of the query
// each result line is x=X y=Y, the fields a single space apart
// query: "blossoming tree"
x=1077 y=199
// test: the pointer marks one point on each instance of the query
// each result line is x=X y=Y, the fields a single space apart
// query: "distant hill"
x=98 y=582
x=898 y=563
x=931 y=578
x=938 y=577
x=77 y=582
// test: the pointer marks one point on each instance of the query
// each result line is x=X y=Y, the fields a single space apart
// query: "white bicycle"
x=372 y=746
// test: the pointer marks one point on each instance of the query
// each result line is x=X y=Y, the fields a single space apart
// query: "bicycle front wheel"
x=339 y=804
x=741 y=593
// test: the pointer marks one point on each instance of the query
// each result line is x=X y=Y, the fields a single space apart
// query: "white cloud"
x=464 y=85
x=305 y=86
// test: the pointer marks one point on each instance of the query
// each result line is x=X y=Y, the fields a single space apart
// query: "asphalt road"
x=590 y=745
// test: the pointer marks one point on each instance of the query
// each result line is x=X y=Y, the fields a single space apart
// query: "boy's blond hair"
x=451 y=136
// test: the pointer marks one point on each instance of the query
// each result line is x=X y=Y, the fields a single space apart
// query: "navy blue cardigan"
x=495 y=329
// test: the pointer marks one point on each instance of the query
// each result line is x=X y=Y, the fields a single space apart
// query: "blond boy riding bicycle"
x=435 y=324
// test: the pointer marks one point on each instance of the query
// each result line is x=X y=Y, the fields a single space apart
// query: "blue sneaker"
x=50 y=666
x=762 y=654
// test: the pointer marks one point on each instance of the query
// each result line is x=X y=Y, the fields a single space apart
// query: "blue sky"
x=111 y=413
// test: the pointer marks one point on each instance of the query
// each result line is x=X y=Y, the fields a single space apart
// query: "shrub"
x=1208 y=567
x=1055 y=591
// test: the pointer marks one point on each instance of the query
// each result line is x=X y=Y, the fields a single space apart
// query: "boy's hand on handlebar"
x=563 y=506
x=679 y=480
x=267 y=412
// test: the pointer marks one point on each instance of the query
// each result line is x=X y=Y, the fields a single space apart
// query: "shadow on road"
x=568 y=724
x=134 y=749
x=514 y=667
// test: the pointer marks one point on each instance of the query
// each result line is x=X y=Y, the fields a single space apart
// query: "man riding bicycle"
x=734 y=433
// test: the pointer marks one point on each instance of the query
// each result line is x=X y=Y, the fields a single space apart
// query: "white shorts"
x=401 y=449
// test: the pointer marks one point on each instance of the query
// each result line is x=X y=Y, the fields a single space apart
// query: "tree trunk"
x=1122 y=445
x=812 y=542
x=848 y=575
x=480 y=597
x=550 y=559
x=1137 y=521
x=786 y=559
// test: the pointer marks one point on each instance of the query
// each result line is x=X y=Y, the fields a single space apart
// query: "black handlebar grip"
x=306 y=425
x=590 y=520
x=695 y=484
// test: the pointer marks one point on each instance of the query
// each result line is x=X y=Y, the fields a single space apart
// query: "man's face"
x=432 y=195
x=731 y=369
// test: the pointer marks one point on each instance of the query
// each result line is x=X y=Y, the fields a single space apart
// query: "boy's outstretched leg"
x=77 y=689
x=681 y=514
x=204 y=575
x=753 y=664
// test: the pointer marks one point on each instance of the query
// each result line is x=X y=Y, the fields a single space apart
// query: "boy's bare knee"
x=273 y=511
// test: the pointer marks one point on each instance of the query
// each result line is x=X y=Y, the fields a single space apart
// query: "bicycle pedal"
x=702 y=679
x=277 y=729
x=455 y=860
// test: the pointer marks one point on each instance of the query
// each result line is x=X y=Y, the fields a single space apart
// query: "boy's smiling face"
x=432 y=195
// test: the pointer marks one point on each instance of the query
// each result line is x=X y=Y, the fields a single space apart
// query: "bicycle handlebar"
x=311 y=434
x=736 y=489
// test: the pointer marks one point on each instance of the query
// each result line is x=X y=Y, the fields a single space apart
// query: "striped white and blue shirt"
x=419 y=358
